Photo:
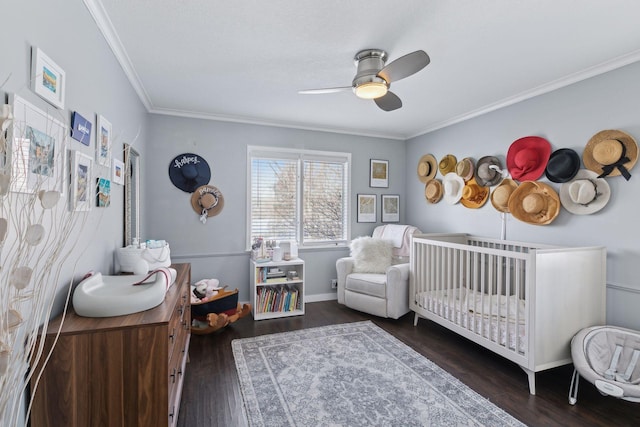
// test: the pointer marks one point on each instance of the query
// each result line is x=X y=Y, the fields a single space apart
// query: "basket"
x=140 y=261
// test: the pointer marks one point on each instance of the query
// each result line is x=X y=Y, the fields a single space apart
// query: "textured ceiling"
x=246 y=60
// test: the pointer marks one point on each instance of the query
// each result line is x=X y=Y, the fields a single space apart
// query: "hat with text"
x=189 y=171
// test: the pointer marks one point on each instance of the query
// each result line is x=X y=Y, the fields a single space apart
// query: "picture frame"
x=103 y=192
x=103 y=141
x=367 y=208
x=390 y=207
x=379 y=173
x=81 y=186
x=48 y=79
x=81 y=128
x=117 y=172
x=37 y=149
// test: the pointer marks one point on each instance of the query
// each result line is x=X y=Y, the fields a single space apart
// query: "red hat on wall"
x=527 y=158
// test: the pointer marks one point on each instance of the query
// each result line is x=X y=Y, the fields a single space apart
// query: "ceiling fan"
x=373 y=78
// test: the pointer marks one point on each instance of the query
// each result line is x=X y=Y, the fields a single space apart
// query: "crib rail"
x=477 y=284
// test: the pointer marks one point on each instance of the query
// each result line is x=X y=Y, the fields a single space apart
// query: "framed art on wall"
x=47 y=78
x=103 y=193
x=80 y=193
x=366 y=208
x=37 y=151
x=103 y=141
x=80 y=128
x=379 y=174
x=390 y=208
x=117 y=173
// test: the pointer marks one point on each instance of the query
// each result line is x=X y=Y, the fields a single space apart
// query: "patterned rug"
x=353 y=374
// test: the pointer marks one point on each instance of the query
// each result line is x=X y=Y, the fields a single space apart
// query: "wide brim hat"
x=486 y=176
x=535 y=203
x=563 y=165
x=501 y=194
x=433 y=191
x=452 y=185
x=189 y=171
x=207 y=199
x=585 y=193
x=611 y=153
x=474 y=196
x=427 y=168
x=447 y=164
x=527 y=158
x=465 y=168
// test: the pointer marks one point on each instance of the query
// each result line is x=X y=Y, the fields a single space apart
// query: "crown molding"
x=100 y=16
x=262 y=122
x=587 y=73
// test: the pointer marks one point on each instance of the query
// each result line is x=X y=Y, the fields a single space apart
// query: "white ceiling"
x=245 y=60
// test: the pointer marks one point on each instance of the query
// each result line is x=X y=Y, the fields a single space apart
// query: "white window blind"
x=298 y=195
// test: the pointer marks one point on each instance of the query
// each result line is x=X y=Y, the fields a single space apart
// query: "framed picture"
x=379 y=173
x=117 y=173
x=366 y=208
x=80 y=128
x=103 y=193
x=47 y=78
x=37 y=152
x=390 y=208
x=80 y=193
x=103 y=141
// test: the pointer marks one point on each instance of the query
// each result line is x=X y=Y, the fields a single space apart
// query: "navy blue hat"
x=563 y=165
x=189 y=171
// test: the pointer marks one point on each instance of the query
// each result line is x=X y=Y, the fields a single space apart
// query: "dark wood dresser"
x=118 y=371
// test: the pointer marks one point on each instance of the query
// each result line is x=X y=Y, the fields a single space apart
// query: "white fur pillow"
x=371 y=255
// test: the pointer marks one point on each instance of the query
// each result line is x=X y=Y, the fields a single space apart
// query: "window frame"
x=300 y=155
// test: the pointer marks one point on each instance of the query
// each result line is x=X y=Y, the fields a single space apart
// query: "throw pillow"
x=371 y=255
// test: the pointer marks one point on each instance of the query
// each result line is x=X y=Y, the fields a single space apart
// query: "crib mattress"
x=493 y=317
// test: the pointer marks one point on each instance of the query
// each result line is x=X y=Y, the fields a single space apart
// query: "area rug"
x=352 y=374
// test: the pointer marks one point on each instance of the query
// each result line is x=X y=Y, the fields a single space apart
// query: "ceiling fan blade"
x=405 y=66
x=389 y=102
x=324 y=90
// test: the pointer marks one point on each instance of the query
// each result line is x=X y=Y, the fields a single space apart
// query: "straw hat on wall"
x=486 y=175
x=465 y=168
x=427 y=168
x=500 y=195
x=433 y=191
x=452 y=184
x=474 y=196
x=447 y=164
x=611 y=153
x=534 y=203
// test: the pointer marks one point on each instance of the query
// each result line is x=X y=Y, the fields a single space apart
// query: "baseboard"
x=321 y=297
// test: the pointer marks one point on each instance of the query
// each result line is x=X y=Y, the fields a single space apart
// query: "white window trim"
x=300 y=154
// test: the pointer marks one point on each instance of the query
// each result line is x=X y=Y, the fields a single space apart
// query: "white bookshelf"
x=277 y=289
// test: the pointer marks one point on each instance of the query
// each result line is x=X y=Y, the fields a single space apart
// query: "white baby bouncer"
x=607 y=356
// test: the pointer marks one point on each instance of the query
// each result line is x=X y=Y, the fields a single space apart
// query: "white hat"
x=453 y=185
x=585 y=193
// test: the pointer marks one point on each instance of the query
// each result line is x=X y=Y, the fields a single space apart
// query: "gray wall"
x=217 y=249
x=66 y=32
x=567 y=118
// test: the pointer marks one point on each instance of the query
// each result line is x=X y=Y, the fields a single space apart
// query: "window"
x=299 y=195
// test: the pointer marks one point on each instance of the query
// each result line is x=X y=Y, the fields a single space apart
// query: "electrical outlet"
x=334 y=283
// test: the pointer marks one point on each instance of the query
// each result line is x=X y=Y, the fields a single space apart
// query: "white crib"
x=523 y=301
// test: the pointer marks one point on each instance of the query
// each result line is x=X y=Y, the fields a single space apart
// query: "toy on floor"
x=214 y=307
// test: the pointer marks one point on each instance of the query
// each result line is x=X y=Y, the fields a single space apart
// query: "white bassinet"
x=607 y=356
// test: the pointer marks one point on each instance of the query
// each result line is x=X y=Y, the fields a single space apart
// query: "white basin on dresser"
x=106 y=296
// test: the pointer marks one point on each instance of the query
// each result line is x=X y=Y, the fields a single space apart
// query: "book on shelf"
x=277 y=299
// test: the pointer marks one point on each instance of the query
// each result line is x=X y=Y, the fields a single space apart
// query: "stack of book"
x=277 y=299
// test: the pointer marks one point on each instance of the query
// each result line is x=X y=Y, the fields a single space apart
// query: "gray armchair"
x=384 y=294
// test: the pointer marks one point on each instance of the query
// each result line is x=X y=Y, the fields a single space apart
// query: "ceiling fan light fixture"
x=371 y=90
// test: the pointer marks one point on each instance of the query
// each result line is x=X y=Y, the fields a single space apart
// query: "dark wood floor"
x=211 y=395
